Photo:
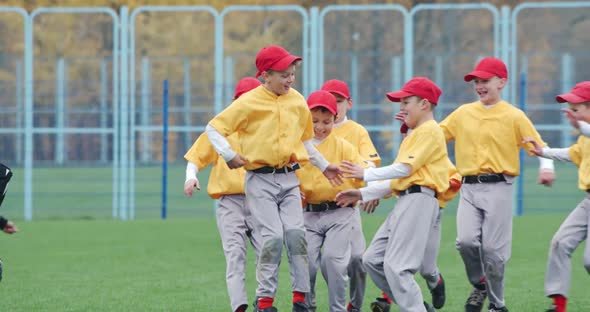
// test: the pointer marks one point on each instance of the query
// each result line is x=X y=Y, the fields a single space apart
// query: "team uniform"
x=574 y=230
x=487 y=140
x=267 y=137
x=399 y=246
x=329 y=226
x=234 y=220
x=358 y=136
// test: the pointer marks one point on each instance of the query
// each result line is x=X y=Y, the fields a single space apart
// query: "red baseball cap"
x=579 y=94
x=246 y=84
x=418 y=86
x=274 y=57
x=487 y=68
x=324 y=99
x=337 y=86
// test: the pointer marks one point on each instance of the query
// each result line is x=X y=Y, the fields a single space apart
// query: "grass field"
x=178 y=265
x=87 y=193
x=73 y=257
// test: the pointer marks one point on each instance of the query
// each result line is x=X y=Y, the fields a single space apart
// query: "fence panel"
x=369 y=57
x=13 y=22
x=74 y=112
x=175 y=43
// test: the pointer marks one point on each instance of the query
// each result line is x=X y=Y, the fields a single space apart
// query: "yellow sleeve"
x=525 y=129
x=308 y=132
x=416 y=149
x=448 y=126
x=576 y=153
x=202 y=152
x=367 y=148
x=231 y=119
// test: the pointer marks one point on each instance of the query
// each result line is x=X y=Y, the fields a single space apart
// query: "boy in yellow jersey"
x=234 y=221
x=418 y=175
x=429 y=268
x=272 y=122
x=358 y=136
x=575 y=229
x=488 y=134
x=328 y=225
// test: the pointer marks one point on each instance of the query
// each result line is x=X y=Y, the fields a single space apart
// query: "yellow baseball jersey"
x=222 y=180
x=450 y=193
x=425 y=150
x=270 y=127
x=487 y=139
x=313 y=183
x=580 y=155
x=358 y=136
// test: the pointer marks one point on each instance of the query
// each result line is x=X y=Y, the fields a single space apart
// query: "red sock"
x=560 y=302
x=242 y=308
x=298 y=296
x=265 y=302
x=483 y=280
x=386 y=298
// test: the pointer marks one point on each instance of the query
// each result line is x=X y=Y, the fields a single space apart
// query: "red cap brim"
x=397 y=96
x=282 y=64
x=339 y=93
x=478 y=74
x=570 y=98
x=331 y=110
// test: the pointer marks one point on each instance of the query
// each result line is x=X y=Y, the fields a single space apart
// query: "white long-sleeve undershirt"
x=395 y=171
x=561 y=154
x=376 y=190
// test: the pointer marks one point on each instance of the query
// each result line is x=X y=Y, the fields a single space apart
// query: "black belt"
x=484 y=178
x=329 y=205
x=285 y=169
x=414 y=189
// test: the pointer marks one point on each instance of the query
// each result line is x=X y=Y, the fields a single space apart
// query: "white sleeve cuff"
x=376 y=190
x=561 y=154
x=546 y=164
x=191 y=171
x=395 y=171
x=220 y=143
x=315 y=157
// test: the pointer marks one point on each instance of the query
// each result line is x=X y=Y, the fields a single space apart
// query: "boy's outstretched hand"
x=348 y=197
x=352 y=170
x=537 y=149
x=334 y=175
x=572 y=117
x=10 y=228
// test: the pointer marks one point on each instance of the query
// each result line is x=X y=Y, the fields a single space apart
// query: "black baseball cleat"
x=300 y=307
x=428 y=307
x=381 y=305
x=243 y=306
x=438 y=294
x=271 y=309
x=552 y=309
x=492 y=308
x=476 y=299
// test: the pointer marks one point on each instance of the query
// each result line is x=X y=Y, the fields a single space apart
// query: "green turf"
x=86 y=193
x=178 y=265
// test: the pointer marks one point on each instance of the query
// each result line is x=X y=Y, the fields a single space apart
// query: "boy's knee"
x=271 y=250
x=295 y=241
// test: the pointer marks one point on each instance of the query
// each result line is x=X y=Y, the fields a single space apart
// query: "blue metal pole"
x=164 y=148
